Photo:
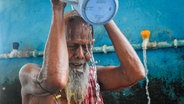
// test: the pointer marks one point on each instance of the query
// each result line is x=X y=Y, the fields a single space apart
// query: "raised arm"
x=54 y=72
x=53 y=75
x=130 y=70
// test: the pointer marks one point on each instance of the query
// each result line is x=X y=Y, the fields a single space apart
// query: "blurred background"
x=27 y=23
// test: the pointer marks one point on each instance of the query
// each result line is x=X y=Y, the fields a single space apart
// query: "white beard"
x=77 y=86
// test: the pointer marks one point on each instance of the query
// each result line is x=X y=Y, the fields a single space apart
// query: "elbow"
x=58 y=84
x=61 y=79
x=53 y=82
x=139 y=77
x=141 y=74
x=53 y=85
x=61 y=82
x=140 y=70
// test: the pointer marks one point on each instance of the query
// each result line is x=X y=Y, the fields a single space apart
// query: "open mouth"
x=76 y=65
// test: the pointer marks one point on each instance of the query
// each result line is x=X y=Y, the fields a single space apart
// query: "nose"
x=80 y=53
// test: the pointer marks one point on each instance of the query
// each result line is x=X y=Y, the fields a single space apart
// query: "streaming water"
x=95 y=74
x=71 y=2
x=145 y=42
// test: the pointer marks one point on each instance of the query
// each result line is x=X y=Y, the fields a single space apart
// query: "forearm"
x=130 y=63
x=54 y=73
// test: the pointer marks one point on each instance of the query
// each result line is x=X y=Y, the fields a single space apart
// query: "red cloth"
x=91 y=97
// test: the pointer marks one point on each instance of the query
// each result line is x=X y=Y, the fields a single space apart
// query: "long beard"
x=77 y=86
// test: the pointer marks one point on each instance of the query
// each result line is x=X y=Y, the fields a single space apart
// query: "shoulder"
x=27 y=71
x=29 y=68
x=30 y=65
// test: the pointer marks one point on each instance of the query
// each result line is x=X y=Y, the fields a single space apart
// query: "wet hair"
x=73 y=18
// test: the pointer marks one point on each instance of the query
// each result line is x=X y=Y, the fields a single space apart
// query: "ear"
x=88 y=56
x=93 y=41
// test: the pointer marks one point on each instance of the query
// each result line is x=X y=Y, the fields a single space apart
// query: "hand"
x=58 y=3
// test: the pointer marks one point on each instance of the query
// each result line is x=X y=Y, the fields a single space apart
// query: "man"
x=65 y=76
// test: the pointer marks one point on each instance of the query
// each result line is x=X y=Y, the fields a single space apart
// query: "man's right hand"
x=58 y=3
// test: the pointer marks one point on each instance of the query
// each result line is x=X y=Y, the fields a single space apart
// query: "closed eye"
x=72 y=46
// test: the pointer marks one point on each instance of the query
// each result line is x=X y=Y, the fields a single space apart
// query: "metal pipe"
x=101 y=49
x=21 y=54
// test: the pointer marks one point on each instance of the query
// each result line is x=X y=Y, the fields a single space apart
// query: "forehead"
x=77 y=28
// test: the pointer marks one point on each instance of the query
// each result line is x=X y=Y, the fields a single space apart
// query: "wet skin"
x=79 y=43
x=79 y=49
x=66 y=47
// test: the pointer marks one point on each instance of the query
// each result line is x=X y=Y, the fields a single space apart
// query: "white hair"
x=77 y=86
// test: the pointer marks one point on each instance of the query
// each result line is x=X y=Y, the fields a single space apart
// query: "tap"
x=145 y=36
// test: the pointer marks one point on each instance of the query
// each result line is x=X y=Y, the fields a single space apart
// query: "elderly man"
x=65 y=76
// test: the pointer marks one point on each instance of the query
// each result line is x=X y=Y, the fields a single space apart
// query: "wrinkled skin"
x=70 y=44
